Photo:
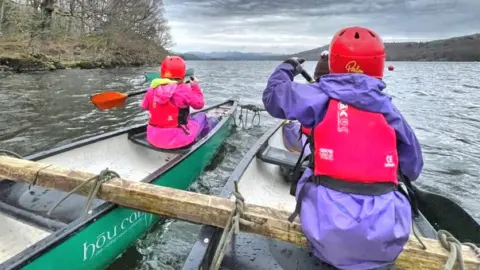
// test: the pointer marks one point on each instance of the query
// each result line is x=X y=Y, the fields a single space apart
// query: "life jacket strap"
x=183 y=116
x=342 y=186
x=352 y=187
x=409 y=194
x=185 y=129
x=297 y=169
x=298 y=205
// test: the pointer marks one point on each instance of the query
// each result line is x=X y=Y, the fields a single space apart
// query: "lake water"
x=439 y=100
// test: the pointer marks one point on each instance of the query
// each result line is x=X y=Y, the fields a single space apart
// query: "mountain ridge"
x=460 y=48
x=228 y=55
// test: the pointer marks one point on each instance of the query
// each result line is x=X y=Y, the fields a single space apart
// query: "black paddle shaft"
x=307 y=76
x=143 y=91
x=136 y=93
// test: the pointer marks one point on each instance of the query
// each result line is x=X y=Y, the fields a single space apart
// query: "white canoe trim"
x=263 y=183
x=15 y=236
x=130 y=160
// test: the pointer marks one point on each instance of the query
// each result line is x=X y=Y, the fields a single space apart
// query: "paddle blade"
x=108 y=100
x=445 y=214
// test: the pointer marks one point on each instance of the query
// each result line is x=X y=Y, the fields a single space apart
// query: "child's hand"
x=194 y=79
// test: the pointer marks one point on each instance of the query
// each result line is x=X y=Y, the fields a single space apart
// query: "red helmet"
x=173 y=67
x=359 y=50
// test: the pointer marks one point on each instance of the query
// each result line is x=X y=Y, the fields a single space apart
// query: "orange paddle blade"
x=108 y=100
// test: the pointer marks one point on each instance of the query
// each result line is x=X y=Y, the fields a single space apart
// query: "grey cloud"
x=414 y=19
x=226 y=8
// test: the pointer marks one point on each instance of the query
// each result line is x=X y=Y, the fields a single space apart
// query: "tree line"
x=116 y=30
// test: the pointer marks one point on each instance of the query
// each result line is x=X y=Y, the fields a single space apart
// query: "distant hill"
x=189 y=56
x=464 y=48
x=229 y=55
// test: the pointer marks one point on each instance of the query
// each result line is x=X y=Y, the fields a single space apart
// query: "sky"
x=290 y=26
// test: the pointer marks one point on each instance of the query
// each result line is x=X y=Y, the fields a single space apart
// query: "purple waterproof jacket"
x=346 y=230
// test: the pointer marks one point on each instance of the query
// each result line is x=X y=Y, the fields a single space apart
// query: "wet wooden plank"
x=203 y=209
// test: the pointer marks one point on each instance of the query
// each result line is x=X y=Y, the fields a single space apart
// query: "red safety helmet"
x=173 y=67
x=358 y=50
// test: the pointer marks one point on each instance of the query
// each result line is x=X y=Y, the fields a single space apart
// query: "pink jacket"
x=182 y=95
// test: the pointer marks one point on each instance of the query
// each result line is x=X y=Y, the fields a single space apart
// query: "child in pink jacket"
x=168 y=100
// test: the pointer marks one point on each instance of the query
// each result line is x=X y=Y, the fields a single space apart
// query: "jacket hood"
x=359 y=90
x=163 y=90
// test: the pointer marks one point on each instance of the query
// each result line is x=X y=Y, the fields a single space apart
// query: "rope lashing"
x=256 y=115
x=8 y=153
x=232 y=226
x=5 y=152
x=104 y=176
x=451 y=244
x=252 y=107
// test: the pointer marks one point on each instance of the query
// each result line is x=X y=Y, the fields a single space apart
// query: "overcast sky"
x=289 y=26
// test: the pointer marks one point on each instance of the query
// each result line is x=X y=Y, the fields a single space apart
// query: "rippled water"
x=440 y=101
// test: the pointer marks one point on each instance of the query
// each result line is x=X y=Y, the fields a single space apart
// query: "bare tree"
x=113 y=29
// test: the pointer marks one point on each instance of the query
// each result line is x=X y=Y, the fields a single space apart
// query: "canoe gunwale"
x=201 y=254
x=33 y=252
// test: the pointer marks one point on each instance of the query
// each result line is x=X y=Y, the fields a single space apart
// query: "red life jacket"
x=167 y=115
x=354 y=150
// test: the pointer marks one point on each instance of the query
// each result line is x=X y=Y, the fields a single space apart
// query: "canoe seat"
x=141 y=139
x=280 y=157
x=30 y=204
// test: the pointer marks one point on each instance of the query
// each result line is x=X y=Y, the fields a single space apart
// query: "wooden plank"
x=203 y=209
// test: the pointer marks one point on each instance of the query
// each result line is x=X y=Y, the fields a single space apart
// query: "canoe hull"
x=94 y=244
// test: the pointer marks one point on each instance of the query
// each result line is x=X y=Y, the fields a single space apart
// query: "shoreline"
x=22 y=55
x=23 y=63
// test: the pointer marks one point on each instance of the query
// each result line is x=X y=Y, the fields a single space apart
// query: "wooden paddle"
x=440 y=211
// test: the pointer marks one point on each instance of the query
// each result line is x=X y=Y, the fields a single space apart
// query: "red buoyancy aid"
x=355 y=146
x=354 y=151
x=166 y=115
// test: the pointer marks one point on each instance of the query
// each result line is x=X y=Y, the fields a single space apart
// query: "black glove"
x=296 y=63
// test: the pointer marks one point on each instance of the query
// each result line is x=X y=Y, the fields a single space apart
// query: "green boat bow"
x=150 y=76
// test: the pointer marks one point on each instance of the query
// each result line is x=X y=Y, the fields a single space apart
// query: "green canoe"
x=150 y=76
x=31 y=239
